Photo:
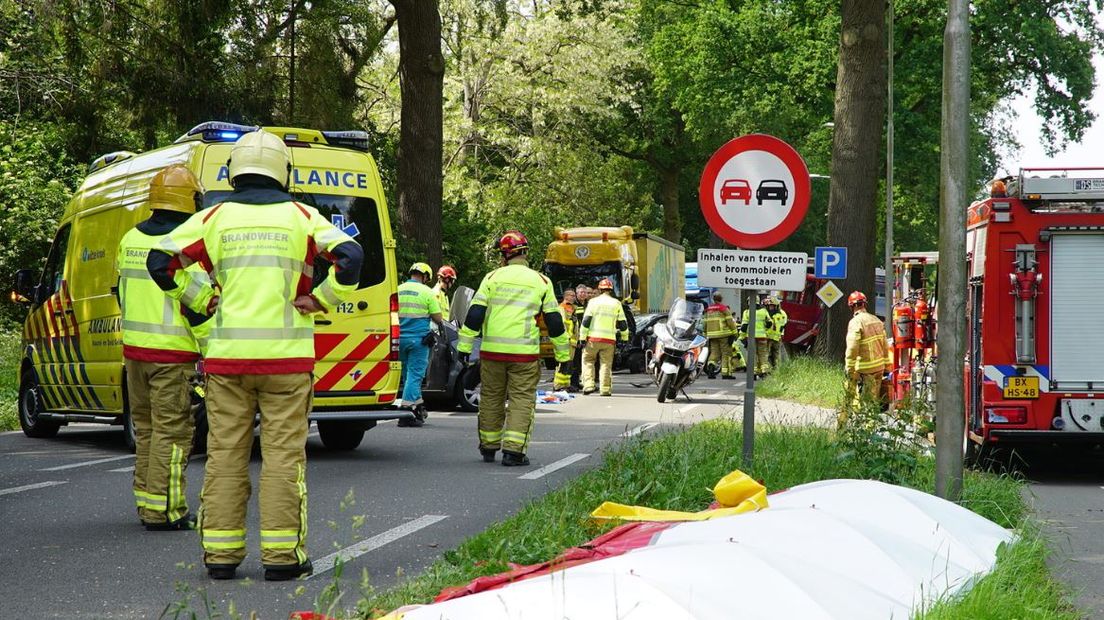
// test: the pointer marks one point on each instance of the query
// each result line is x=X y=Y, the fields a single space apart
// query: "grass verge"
x=672 y=471
x=805 y=379
x=9 y=378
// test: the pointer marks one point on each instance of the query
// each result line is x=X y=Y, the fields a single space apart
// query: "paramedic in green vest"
x=762 y=343
x=259 y=245
x=417 y=308
x=776 y=327
x=160 y=351
x=504 y=310
x=603 y=323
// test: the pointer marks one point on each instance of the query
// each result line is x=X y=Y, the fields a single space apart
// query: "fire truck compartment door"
x=1077 y=307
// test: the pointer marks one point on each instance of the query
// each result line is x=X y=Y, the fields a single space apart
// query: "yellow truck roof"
x=592 y=245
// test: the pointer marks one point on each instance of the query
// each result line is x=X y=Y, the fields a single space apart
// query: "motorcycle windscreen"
x=683 y=319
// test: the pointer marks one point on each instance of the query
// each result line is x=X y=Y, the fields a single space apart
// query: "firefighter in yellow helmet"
x=417 y=309
x=259 y=245
x=776 y=327
x=504 y=310
x=865 y=359
x=160 y=353
x=561 y=380
x=446 y=277
x=603 y=323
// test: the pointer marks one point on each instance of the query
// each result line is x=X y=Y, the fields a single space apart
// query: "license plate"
x=1021 y=387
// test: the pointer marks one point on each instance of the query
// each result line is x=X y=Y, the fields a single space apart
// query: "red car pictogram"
x=736 y=189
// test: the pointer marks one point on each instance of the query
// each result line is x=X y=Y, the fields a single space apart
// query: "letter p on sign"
x=830 y=263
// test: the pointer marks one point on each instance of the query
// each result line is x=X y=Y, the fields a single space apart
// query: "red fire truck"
x=1035 y=310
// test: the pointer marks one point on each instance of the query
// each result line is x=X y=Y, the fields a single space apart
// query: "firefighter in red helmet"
x=865 y=359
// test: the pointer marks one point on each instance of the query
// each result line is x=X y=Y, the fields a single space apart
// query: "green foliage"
x=36 y=179
x=9 y=378
x=805 y=379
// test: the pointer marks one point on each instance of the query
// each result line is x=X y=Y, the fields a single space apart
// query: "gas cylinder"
x=903 y=325
x=925 y=329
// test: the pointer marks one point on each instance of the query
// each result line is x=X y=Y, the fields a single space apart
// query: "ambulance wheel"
x=129 y=436
x=30 y=405
x=341 y=434
x=467 y=390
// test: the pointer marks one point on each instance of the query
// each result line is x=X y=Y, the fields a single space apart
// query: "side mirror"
x=23 y=291
x=635 y=294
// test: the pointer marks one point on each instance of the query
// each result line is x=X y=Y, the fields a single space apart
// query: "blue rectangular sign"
x=830 y=263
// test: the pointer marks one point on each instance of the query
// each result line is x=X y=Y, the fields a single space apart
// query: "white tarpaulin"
x=841 y=549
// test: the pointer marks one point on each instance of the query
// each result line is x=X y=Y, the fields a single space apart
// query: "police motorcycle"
x=680 y=351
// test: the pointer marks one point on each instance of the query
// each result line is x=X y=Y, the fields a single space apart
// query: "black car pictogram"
x=772 y=189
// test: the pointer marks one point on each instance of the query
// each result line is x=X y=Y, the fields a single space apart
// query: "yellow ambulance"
x=72 y=367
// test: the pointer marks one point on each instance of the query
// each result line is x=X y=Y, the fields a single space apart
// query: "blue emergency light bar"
x=218 y=131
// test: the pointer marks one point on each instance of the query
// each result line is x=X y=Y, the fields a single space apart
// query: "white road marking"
x=29 y=487
x=640 y=429
x=355 y=551
x=122 y=469
x=551 y=467
x=87 y=463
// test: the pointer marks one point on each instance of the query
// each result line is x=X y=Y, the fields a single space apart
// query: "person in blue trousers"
x=418 y=307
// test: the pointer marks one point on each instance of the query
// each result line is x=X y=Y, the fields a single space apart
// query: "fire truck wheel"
x=30 y=405
x=977 y=456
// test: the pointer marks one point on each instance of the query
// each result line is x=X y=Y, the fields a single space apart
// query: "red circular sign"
x=754 y=191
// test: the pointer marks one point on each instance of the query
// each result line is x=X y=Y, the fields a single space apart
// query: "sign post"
x=754 y=192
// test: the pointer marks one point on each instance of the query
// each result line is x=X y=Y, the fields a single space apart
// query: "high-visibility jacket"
x=442 y=300
x=719 y=322
x=866 y=344
x=604 y=320
x=154 y=328
x=260 y=247
x=504 y=309
x=570 y=326
x=416 y=303
x=761 y=321
x=776 y=324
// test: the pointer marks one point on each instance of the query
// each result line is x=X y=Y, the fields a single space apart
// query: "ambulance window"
x=55 y=264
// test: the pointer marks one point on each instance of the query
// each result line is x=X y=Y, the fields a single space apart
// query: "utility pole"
x=950 y=399
x=888 y=285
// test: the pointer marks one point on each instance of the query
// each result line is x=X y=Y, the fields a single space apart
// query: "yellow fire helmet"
x=423 y=269
x=175 y=188
x=259 y=152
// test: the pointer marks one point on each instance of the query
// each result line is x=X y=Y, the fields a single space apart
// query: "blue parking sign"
x=830 y=263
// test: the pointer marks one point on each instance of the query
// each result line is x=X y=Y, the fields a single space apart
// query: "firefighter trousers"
x=762 y=356
x=284 y=401
x=159 y=396
x=577 y=366
x=598 y=353
x=865 y=388
x=502 y=426
x=720 y=354
x=562 y=378
x=775 y=352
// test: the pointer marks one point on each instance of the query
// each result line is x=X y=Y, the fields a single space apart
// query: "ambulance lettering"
x=317 y=178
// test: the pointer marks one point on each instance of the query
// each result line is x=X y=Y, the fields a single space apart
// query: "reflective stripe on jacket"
x=776 y=324
x=719 y=322
x=866 y=344
x=262 y=255
x=570 y=327
x=154 y=330
x=416 y=303
x=606 y=316
x=513 y=295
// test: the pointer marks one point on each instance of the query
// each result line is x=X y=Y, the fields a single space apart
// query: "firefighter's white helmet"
x=259 y=152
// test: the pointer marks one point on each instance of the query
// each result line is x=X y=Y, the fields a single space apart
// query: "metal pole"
x=749 y=389
x=888 y=285
x=950 y=397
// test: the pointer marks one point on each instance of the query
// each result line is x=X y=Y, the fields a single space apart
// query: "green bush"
x=9 y=378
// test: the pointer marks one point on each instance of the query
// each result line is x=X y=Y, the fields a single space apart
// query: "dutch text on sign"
x=776 y=271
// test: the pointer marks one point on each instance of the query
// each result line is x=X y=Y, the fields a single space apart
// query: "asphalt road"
x=73 y=548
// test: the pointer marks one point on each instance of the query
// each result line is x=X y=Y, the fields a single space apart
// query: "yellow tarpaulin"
x=737 y=493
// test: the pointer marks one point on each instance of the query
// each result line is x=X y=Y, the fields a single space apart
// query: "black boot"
x=187 y=522
x=287 y=572
x=514 y=459
x=221 y=571
x=488 y=455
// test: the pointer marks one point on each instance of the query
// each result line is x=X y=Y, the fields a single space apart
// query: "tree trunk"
x=421 y=76
x=856 y=149
x=669 y=194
